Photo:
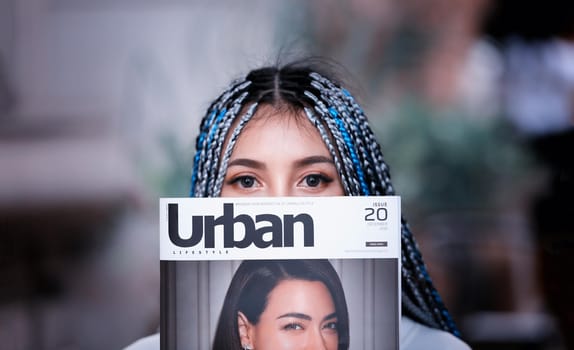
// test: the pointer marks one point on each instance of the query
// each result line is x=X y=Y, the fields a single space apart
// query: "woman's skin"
x=299 y=315
x=279 y=155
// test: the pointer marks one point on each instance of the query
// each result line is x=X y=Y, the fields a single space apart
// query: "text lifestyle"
x=279 y=231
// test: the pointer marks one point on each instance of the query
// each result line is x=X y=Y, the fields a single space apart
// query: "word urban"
x=280 y=231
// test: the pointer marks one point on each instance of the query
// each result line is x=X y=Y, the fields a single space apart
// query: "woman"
x=294 y=131
x=284 y=304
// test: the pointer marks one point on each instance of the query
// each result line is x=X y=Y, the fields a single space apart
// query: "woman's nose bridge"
x=317 y=342
x=279 y=192
x=279 y=187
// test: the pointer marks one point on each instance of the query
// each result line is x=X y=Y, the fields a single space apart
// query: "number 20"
x=380 y=214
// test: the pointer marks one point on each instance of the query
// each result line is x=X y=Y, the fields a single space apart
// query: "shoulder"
x=148 y=343
x=416 y=336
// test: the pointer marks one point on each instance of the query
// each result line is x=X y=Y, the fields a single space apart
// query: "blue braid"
x=194 y=174
x=200 y=142
x=352 y=99
x=355 y=125
x=351 y=147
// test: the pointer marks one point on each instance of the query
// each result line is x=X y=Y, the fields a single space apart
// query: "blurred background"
x=472 y=100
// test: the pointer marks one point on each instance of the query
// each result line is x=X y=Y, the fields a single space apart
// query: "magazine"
x=239 y=272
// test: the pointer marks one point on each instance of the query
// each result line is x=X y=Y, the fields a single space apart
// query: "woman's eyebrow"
x=330 y=316
x=296 y=315
x=313 y=160
x=250 y=163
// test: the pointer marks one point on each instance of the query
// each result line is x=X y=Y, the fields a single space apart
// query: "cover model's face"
x=276 y=155
x=299 y=315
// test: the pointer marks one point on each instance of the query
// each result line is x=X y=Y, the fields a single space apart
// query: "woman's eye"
x=331 y=326
x=315 y=180
x=244 y=181
x=292 y=326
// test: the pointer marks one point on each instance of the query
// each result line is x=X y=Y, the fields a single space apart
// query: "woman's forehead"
x=285 y=116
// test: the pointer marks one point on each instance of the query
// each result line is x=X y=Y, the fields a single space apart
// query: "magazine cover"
x=280 y=273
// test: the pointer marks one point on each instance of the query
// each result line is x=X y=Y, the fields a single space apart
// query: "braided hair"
x=350 y=140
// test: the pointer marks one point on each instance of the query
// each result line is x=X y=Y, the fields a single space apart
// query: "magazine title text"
x=267 y=230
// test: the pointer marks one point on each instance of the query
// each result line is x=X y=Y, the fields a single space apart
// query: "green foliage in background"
x=172 y=177
x=175 y=181
x=447 y=161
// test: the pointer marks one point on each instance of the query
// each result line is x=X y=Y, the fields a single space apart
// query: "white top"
x=414 y=336
x=150 y=342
